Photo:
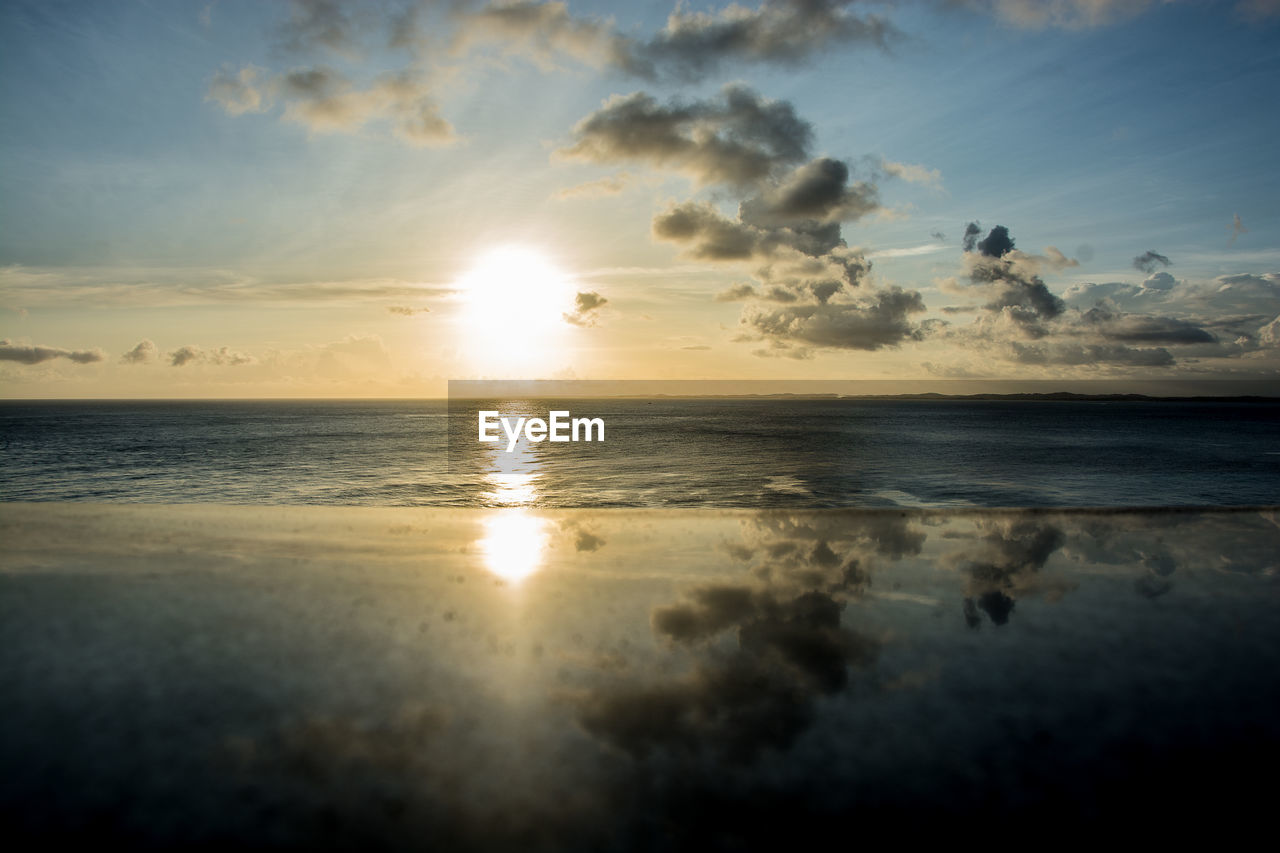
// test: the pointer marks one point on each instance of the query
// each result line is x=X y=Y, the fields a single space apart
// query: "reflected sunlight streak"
x=513 y=544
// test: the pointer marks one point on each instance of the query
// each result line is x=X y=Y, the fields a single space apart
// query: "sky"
x=333 y=199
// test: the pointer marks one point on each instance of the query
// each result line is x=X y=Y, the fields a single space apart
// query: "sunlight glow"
x=513 y=544
x=514 y=306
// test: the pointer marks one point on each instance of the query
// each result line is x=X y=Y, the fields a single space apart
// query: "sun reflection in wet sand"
x=513 y=543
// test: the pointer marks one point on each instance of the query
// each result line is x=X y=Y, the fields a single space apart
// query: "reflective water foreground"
x=331 y=677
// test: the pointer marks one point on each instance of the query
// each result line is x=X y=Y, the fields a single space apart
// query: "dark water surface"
x=204 y=677
x=658 y=453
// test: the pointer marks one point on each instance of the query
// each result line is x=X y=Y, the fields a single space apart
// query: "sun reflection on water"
x=513 y=544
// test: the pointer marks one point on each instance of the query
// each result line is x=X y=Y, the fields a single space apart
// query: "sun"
x=514 y=305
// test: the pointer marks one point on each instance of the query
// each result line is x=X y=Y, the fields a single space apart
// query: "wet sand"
x=332 y=677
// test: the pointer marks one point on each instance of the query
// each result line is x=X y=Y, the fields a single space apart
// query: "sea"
x=661 y=452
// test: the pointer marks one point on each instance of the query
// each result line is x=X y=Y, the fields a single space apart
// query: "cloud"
x=970 y=240
x=788 y=225
x=997 y=243
x=818 y=191
x=1008 y=279
x=1148 y=261
x=29 y=354
x=320 y=24
x=695 y=44
x=1146 y=328
x=240 y=92
x=1087 y=354
x=874 y=323
x=585 y=308
x=407 y=311
x=186 y=355
x=326 y=101
x=144 y=353
x=599 y=188
x=914 y=174
x=540 y=31
x=1064 y=14
x=738 y=139
x=736 y=293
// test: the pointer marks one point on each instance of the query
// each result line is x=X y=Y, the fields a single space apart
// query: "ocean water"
x=658 y=453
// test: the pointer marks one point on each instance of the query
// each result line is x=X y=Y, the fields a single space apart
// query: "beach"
x=401 y=678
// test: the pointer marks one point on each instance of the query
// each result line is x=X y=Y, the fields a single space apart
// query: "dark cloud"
x=694 y=44
x=817 y=191
x=708 y=235
x=997 y=244
x=1086 y=354
x=939 y=236
x=585 y=308
x=882 y=321
x=1146 y=328
x=1148 y=261
x=970 y=240
x=28 y=354
x=738 y=139
x=1009 y=280
x=144 y=353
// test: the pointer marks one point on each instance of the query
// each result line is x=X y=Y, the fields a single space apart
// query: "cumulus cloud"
x=738 y=138
x=869 y=324
x=1118 y=324
x=1009 y=280
x=144 y=353
x=788 y=225
x=585 y=309
x=35 y=354
x=818 y=191
x=694 y=44
x=1148 y=261
x=189 y=354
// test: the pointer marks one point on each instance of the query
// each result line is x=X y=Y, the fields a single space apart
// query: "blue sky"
x=171 y=177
